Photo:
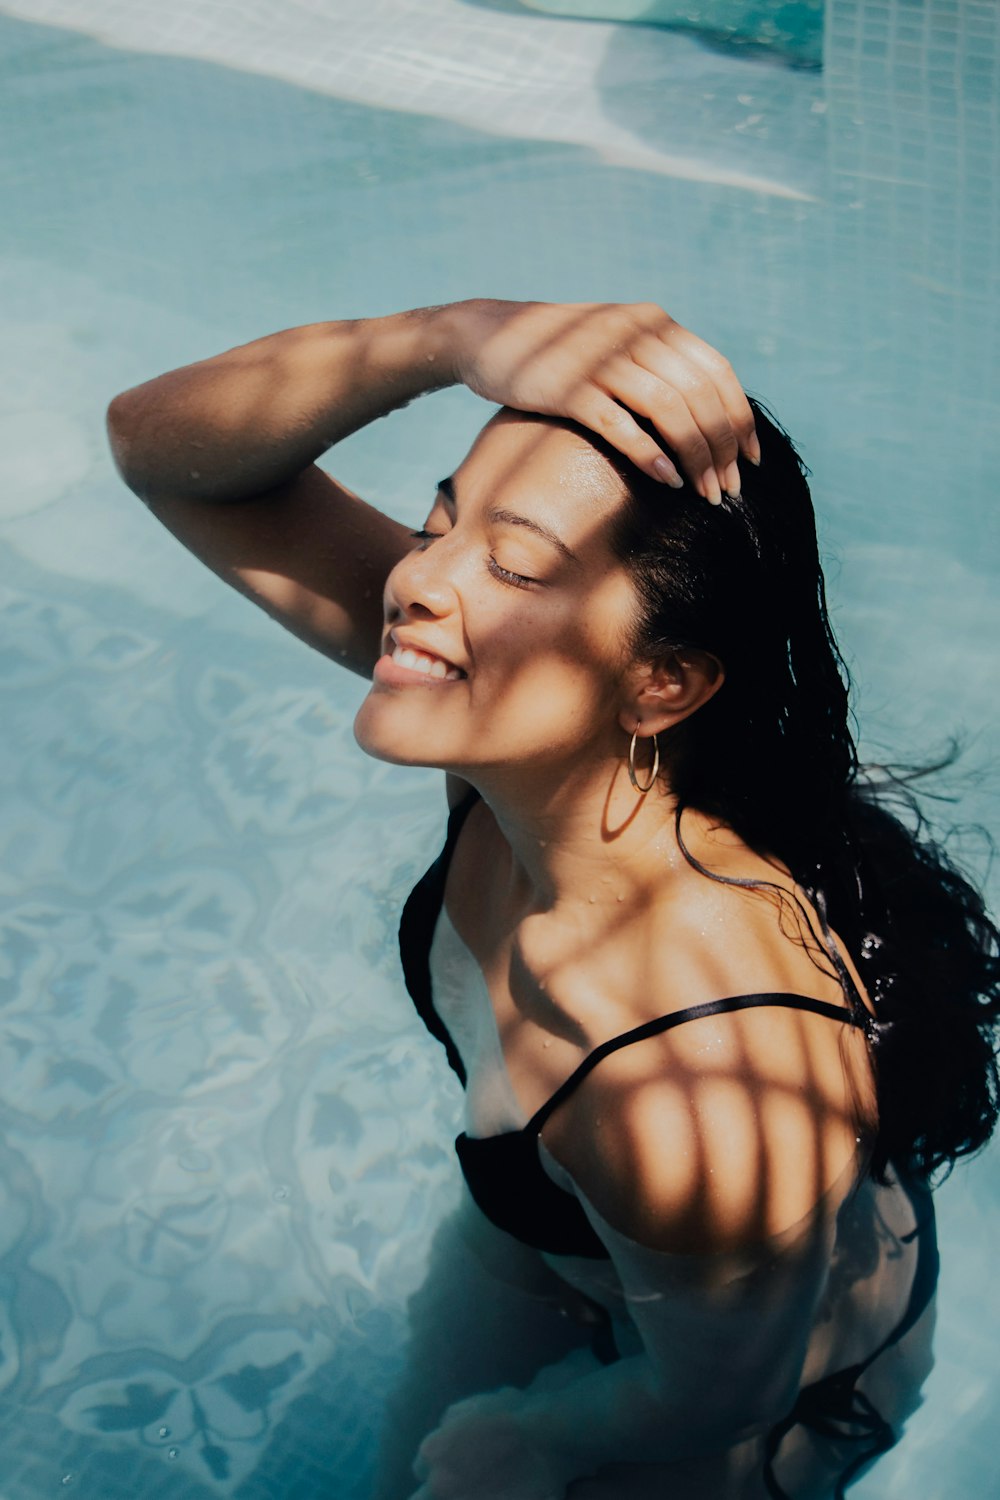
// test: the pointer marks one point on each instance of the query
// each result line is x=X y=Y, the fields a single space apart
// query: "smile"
x=403 y=666
x=428 y=666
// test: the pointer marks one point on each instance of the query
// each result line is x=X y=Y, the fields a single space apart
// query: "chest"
x=561 y=982
x=557 y=983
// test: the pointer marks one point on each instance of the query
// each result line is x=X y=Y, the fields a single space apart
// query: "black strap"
x=416 y=928
x=677 y=1018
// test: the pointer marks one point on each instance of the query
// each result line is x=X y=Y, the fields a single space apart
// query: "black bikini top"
x=504 y=1172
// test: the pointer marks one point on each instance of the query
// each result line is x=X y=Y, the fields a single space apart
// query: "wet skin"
x=539 y=631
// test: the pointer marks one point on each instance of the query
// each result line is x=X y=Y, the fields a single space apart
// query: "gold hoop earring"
x=631 y=764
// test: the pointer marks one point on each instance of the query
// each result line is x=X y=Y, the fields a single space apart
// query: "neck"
x=582 y=837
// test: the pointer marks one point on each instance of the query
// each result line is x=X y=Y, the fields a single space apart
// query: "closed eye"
x=505 y=575
x=516 y=580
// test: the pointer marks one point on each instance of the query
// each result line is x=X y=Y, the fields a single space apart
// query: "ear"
x=660 y=693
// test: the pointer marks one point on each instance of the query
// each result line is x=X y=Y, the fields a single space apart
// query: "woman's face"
x=507 y=627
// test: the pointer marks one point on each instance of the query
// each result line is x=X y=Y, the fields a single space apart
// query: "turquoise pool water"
x=225 y=1141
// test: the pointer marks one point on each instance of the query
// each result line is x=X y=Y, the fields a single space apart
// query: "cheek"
x=545 y=663
x=557 y=671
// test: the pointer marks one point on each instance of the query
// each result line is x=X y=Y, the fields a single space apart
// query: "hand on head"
x=605 y=364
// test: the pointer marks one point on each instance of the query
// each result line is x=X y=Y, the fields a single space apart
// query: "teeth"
x=431 y=666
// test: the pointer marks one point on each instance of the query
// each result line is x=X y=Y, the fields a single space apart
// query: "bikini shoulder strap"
x=677 y=1018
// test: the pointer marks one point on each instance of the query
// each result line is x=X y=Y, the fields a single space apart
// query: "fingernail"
x=732 y=485
x=664 y=469
x=753 y=449
x=710 y=487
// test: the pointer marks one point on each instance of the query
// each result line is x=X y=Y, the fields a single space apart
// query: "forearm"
x=661 y=1404
x=578 y=1419
x=248 y=420
x=621 y=1413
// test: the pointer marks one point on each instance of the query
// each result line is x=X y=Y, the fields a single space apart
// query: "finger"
x=668 y=410
x=730 y=391
x=684 y=405
x=595 y=409
x=651 y=321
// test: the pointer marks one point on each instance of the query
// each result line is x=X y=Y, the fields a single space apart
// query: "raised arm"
x=224 y=451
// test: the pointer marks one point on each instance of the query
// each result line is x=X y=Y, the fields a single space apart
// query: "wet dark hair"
x=772 y=755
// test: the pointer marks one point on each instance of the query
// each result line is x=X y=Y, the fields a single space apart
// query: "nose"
x=420 y=585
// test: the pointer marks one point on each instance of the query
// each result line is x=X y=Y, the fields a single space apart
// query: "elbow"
x=119 y=428
x=122 y=424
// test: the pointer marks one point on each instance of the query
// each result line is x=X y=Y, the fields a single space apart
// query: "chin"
x=376 y=739
x=376 y=746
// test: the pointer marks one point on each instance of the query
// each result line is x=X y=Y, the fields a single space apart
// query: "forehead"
x=546 y=466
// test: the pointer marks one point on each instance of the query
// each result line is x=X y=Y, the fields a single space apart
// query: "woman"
x=693 y=1123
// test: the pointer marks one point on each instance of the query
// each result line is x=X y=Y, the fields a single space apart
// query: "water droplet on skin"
x=547 y=1042
x=195 y=473
x=164 y=1432
x=66 y=1479
x=173 y=1452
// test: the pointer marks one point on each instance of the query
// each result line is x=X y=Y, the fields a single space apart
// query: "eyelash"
x=504 y=575
x=516 y=580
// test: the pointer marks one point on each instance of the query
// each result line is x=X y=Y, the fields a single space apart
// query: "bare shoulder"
x=750 y=931
x=695 y=1147
x=726 y=1129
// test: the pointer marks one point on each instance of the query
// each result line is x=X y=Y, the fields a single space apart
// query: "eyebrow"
x=511 y=518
